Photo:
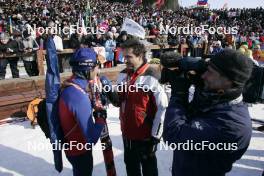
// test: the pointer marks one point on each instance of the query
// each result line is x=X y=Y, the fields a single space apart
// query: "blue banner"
x=52 y=88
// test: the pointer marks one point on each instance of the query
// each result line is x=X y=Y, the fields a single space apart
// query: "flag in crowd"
x=159 y=3
x=202 y=2
x=88 y=13
x=133 y=28
x=81 y=24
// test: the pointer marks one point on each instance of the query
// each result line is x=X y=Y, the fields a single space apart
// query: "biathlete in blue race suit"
x=75 y=110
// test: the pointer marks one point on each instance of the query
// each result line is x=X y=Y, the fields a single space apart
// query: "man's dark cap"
x=170 y=59
x=233 y=65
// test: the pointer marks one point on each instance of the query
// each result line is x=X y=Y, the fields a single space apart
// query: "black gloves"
x=181 y=72
x=154 y=144
x=100 y=114
x=151 y=145
x=179 y=84
x=165 y=75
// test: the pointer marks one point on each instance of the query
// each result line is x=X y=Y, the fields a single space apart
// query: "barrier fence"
x=41 y=54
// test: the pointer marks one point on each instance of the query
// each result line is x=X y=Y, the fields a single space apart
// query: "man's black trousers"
x=140 y=158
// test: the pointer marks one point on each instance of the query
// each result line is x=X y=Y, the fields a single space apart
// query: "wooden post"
x=40 y=59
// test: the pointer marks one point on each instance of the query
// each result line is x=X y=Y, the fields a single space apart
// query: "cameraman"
x=216 y=114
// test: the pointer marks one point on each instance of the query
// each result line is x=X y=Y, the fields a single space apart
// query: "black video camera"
x=193 y=68
x=188 y=67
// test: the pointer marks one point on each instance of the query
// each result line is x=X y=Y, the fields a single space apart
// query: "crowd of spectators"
x=17 y=16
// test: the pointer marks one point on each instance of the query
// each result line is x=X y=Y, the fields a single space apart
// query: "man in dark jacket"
x=8 y=47
x=76 y=40
x=216 y=125
x=30 y=46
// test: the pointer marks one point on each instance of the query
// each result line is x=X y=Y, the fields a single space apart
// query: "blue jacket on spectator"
x=217 y=50
x=227 y=125
x=110 y=45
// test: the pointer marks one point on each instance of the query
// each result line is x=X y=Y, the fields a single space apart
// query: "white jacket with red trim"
x=143 y=103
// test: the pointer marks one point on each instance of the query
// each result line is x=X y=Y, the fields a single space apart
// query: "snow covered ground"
x=18 y=158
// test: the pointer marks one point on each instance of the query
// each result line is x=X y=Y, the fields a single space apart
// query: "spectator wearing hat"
x=241 y=38
x=75 y=112
x=258 y=55
x=247 y=52
x=76 y=39
x=99 y=40
x=183 y=47
x=8 y=47
x=217 y=116
x=30 y=46
x=173 y=39
x=122 y=38
x=217 y=47
x=110 y=46
x=114 y=31
x=196 y=45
